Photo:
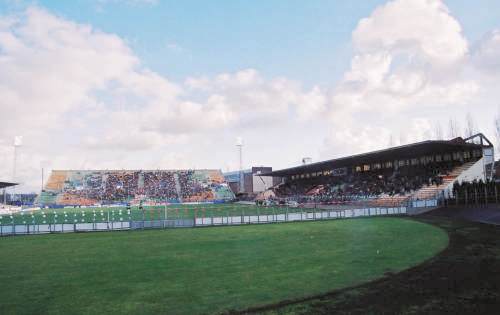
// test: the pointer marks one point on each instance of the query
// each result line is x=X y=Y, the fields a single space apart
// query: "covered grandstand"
x=3 y=186
x=100 y=187
x=415 y=171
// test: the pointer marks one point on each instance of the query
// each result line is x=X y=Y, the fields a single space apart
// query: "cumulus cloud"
x=76 y=91
x=409 y=55
x=420 y=28
x=487 y=52
x=251 y=97
x=82 y=98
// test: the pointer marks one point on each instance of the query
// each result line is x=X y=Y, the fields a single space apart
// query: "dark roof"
x=395 y=153
x=6 y=184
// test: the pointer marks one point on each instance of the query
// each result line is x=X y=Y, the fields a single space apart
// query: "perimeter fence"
x=98 y=220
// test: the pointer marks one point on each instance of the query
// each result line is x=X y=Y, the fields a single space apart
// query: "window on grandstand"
x=358 y=168
x=366 y=167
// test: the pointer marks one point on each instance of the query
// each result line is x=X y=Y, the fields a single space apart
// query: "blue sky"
x=304 y=40
x=146 y=84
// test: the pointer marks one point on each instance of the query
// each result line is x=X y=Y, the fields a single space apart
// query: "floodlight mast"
x=18 y=141
x=239 y=144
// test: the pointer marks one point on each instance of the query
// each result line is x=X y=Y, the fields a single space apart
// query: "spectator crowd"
x=91 y=187
x=358 y=185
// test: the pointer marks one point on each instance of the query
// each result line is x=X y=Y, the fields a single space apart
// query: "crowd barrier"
x=291 y=215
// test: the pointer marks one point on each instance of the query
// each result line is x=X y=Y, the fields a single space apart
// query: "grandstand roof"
x=395 y=153
x=7 y=184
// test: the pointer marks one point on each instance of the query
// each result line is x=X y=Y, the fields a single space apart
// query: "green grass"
x=204 y=270
x=180 y=211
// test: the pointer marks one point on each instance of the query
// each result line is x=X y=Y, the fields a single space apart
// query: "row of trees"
x=476 y=192
x=454 y=130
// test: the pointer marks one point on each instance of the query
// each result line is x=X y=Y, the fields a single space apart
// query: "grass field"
x=179 y=211
x=463 y=279
x=204 y=270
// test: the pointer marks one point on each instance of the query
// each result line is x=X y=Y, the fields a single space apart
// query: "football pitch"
x=204 y=270
x=134 y=213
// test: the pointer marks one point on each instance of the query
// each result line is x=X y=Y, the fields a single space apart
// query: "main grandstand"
x=100 y=187
x=423 y=170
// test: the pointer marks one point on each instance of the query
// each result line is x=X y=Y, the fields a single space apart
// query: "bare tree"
x=391 y=141
x=453 y=128
x=438 y=131
x=470 y=125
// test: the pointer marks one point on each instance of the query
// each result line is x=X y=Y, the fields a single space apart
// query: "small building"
x=250 y=181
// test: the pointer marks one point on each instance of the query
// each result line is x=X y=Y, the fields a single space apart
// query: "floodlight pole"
x=14 y=172
x=14 y=166
x=42 y=180
x=239 y=144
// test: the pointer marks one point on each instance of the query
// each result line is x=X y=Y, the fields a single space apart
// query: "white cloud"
x=346 y=141
x=75 y=93
x=409 y=56
x=421 y=28
x=486 y=55
x=82 y=98
x=251 y=97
